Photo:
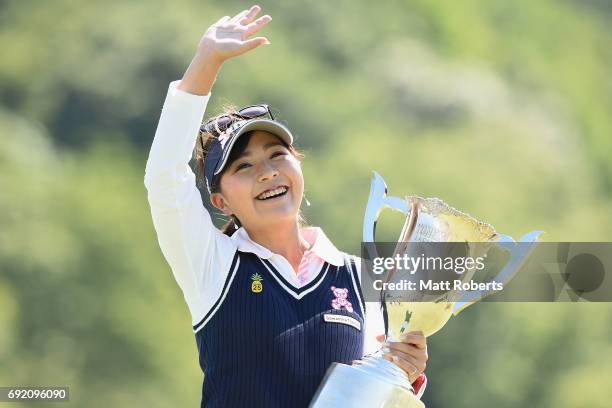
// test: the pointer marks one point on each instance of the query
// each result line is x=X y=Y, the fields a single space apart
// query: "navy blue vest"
x=268 y=344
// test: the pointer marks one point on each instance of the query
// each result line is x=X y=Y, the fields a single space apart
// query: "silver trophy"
x=374 y=381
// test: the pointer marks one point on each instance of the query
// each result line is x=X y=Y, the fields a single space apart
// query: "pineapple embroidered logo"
x=256 y=285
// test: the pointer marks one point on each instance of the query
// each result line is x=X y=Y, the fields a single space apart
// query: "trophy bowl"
x=431 y=227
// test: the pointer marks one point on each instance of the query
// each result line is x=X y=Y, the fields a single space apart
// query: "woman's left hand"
x=410 y=353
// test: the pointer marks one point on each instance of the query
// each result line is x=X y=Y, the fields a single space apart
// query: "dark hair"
x=201 y=150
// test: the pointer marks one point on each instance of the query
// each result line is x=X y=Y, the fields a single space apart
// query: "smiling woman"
x=273 y=302
x=235 y=181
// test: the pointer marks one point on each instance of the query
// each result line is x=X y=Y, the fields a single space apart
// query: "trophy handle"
x=378 y=190
x=378 y=201
x=518 y=255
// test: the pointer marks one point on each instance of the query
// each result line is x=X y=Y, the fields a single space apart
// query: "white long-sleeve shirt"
x=197 y=252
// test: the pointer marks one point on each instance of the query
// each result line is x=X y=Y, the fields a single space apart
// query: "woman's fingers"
x=415 y=337
x=256 y=25
x=417 y=361
x=239 y=16
x=229 y=36
x=408 y=349
x=246 y=16
x=410 y=354
x=252 y=43
x=405 y=364
x=250 y=15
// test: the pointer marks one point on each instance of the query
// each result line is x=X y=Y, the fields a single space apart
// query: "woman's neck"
x=285 y=240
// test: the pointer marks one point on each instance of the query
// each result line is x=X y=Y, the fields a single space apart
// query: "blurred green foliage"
x=502 y=109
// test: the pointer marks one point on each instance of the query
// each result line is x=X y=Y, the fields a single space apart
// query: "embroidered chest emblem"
x=341 y=299
x=256 y=285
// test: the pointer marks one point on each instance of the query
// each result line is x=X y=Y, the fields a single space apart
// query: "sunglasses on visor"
x=216 y=126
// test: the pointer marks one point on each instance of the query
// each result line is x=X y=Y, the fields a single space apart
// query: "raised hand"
x=227 y=38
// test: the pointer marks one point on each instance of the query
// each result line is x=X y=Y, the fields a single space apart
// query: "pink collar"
x=320 y=245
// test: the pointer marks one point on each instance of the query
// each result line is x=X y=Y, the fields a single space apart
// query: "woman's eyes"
x=279 y=153
x=245 y=165
x=242 y=166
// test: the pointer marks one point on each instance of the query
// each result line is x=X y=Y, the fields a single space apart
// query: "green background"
x=501 y=108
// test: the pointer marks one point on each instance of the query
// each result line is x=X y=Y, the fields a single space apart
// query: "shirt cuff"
x=419 y=385
x=186 y=96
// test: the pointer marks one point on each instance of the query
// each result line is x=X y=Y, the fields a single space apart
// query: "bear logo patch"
x=341 y=299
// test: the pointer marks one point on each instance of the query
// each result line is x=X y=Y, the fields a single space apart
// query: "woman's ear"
x=218 y=201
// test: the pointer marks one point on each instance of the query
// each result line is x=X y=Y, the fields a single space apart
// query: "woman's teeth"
x=272 y=193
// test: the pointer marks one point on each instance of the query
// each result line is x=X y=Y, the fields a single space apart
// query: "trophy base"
x=370 y=383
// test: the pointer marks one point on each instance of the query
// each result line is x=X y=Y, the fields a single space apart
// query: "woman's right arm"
x=198 y=254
